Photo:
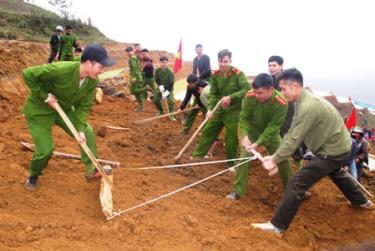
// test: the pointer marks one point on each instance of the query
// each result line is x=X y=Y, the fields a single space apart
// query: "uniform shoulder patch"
x=250 y=94
x=280 y=100
x=237 y=71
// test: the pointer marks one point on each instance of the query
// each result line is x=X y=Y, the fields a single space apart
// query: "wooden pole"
x=164 y=115
x=82 y=144
x=360 y=185
x=179 y=155
x=117 y=128
x=71 y=156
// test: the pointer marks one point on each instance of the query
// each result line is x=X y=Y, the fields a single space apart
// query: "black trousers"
x=52 y=56
x=312 y=172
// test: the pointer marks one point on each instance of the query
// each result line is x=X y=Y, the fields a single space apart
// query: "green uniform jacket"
x=234 y=84
x=66 y=47
x=262 y=121
x=318 y=124
x=62 y=80
x=135 y=69
x=165 y=78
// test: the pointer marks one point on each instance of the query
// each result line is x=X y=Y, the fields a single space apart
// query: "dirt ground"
x=65 y=213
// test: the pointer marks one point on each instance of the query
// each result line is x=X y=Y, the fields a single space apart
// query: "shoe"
x=173 y=119
x=159 y=113
x=367 y=206
x=269 y=227
x=232 y=196
x=31 y=183
x=138 y=109
x=92 y=177
x=307 y=195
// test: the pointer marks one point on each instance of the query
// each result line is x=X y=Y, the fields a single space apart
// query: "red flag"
x=351 y=121
x=178 y=60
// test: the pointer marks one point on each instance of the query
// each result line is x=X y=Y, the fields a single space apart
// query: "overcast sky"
x=322 y=38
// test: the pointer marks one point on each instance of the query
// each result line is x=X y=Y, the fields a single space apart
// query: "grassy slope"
x=24 y=21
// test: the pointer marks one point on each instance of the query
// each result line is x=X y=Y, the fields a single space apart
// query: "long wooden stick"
x=117 y=128
x=82 y=144
x=165 y=101
x=179 y=155
x=360 y=185
x=188 y=164
x=63 y=155
x=164 y=115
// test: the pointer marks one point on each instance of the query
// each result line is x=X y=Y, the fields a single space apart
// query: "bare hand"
x=226 y=101
x=209 y=114
x=82 y=137
x=51 y=100
x=270 y=165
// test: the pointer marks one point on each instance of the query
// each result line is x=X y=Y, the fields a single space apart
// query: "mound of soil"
x=65 y=213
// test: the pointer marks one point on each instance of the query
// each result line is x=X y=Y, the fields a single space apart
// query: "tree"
x=62 y=6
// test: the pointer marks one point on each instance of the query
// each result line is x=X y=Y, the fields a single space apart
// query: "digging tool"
x=82 y=144
x=117 y=128
x=164 y=115
x=120 y=212
x=62 y=155
x=179 y=155
x=165 y=102
x=360 y=185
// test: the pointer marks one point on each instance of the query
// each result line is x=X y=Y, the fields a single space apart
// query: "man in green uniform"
x=72 y=85
x=137 y=86
x=164 y=78
x=230 y=85
x=262 y=114
x=67 y=42
x=195 y=87
x=317 y=123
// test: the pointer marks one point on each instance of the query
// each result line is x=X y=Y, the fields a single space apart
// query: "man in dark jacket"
x=201 y=64
x=54 y=43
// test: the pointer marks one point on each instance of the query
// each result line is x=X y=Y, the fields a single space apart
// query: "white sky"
x=322 y=37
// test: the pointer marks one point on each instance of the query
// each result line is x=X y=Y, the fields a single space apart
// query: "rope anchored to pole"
x=119 y=213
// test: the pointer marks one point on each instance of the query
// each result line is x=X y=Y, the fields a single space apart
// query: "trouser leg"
x=301 y=181
x=40 y=128
x=231 y=139
x=209 y=135
x=285 y=169
x=157 y=101
x=90 y=142
x=52 y=56
x=242 y=175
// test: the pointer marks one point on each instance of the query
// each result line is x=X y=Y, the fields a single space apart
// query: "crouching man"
x=72 y=85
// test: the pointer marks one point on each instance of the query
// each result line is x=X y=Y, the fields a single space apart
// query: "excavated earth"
x=65 y=213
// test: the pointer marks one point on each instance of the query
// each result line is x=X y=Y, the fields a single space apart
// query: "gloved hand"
x=165 y=94
x=161 y=88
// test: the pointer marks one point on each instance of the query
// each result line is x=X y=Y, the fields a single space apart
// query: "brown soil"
x=65 y=213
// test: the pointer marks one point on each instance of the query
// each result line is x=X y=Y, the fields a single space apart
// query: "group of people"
x=274 y=112
x=62 y=43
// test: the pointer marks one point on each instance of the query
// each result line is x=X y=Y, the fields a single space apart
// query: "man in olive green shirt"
x=318 y=124
x=230 y=85
x=137 y=86
x=262 y=114
x=72 y=85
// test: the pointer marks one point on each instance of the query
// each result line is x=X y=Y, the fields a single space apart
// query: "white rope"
x=188 y=164
x=119 y=213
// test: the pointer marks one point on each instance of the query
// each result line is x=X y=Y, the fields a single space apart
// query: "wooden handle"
x=259 y=156
x=164 y=115
x=179 y=155
x=82 y=144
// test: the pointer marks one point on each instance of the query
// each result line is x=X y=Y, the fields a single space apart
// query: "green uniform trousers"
x=242 y=171
x=40 y=128
x=211 y=133
x=151 y=83
x=67 y=57
x=139 y=90
x=157 y=101
x=190 y=118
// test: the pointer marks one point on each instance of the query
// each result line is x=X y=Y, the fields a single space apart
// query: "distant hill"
x=25 y=21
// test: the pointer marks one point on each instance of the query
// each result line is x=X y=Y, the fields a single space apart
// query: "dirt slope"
x=65 y=213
